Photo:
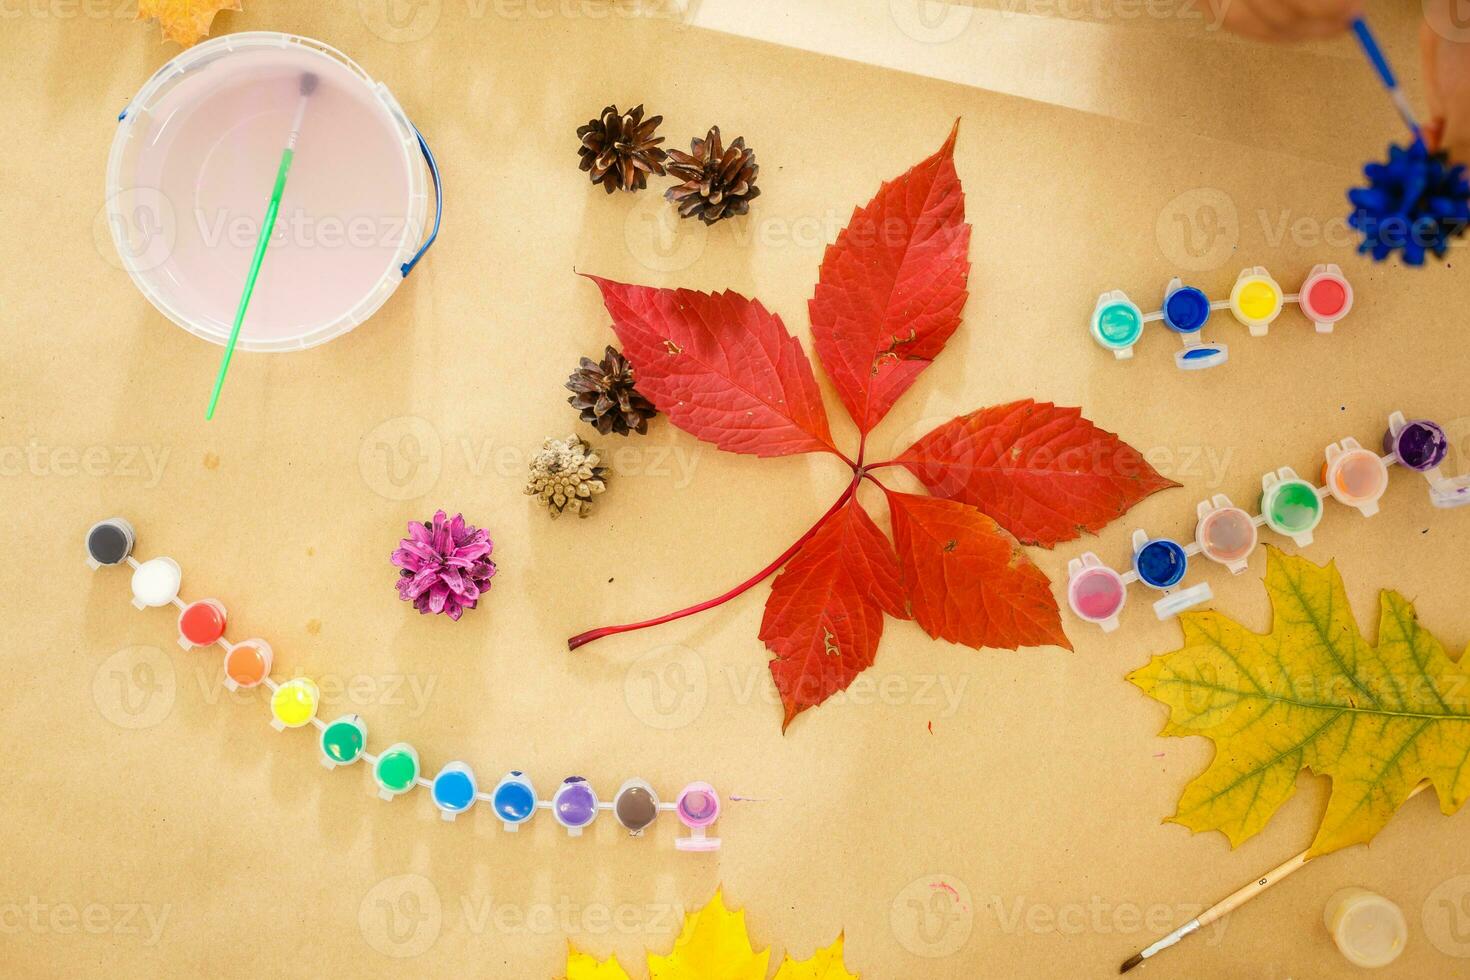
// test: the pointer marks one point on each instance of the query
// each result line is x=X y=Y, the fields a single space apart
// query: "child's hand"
x=1446 y=79
x=1286 y=20
x=1444 y=46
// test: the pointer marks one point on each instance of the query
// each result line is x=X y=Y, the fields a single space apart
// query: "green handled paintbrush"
x=267 y=227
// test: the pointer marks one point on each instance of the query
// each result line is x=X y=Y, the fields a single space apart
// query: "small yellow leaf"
x=184 y=21
x=1312 y=694
x=581 y=966
x=712 y=946
x=825 y=964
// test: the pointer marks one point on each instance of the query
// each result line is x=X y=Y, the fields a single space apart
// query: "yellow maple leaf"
x=1313 y=694
x=184 y=21
x=713 y=945
x=581 y=966
x=825 y=964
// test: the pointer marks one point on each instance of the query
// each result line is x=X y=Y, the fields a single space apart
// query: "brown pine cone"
x=604 y=394
x=717 y=182
x=619 y=150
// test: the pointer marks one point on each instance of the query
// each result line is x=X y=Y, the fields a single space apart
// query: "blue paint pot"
x=453 y=789
x=1160 y=563
x=1186 y=309
x=514 y=800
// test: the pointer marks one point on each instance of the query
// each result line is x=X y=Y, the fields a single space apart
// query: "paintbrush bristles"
x=309 y=83
x=1131 y=962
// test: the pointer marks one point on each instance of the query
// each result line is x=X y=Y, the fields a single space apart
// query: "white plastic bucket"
x=191 y=171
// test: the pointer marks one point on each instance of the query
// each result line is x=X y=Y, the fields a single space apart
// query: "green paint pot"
x=1117 y=325
x=396 y=770
x=343 y=741
x=1292 y=507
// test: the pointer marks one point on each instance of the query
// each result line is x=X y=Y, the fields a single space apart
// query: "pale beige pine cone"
x=565 y=475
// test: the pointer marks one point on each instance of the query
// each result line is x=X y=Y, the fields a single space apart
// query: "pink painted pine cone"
x=445 y=565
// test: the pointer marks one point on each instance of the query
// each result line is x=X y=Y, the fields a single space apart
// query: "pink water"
x=1227 y=535
x=212 y=146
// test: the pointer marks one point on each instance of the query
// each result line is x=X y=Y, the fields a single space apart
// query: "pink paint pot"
x=1095 y=592
x=698 y=808
x=191 y=172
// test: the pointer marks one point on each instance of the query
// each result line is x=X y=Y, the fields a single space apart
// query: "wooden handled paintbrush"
x=1230 y=903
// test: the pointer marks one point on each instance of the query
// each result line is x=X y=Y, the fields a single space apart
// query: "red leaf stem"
x=581 y=639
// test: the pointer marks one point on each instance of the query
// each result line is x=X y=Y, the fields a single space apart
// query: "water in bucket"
x=192 y=170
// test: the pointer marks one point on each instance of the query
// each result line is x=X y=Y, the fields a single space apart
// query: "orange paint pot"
x=247 y=664
x=1355 y=476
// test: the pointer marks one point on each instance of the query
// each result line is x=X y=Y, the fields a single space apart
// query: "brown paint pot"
x=635 y=806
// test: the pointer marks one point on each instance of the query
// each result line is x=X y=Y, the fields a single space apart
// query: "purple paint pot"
x=574 y=805
x=1419 y=444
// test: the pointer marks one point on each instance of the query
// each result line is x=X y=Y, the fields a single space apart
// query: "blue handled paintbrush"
x=1369 y=43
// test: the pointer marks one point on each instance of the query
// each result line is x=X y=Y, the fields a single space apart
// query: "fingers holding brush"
x=1445 y=53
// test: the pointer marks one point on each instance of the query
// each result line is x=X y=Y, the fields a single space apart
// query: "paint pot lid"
x=1199 y=357
x=1175 y=603
x=1451 y=493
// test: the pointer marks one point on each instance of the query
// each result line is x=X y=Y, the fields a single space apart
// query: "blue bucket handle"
x=438 y=202
x=407 y=267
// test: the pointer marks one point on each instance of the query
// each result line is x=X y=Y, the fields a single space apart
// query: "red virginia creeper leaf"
x=1044 y=473
x=892 y=287
x=720 y=367
x=968 y=580
x=825 y=614
x=891 y=291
